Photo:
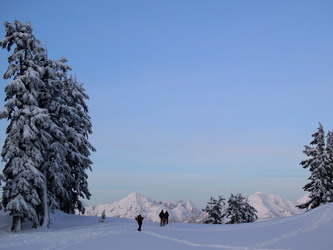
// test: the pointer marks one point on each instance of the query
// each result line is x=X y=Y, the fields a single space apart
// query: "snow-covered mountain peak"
x=135 y=198
x=272 y=206
x=303 y=199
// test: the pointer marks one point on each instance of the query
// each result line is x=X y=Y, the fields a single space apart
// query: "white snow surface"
x=309 y=230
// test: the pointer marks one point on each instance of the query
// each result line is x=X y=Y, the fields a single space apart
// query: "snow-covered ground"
x=309 y=230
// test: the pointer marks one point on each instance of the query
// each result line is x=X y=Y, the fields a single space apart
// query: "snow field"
x=310 y=230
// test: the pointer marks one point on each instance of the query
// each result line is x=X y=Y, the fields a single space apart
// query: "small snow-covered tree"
x=102 y=217
x=239 y=210
x=250 y=213
x=215 y=210
x=320 y=186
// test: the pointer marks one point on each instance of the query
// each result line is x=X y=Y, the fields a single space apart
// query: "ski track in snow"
x=206 y=245
x=260 y=246
x=67 y=238
x=323 y=219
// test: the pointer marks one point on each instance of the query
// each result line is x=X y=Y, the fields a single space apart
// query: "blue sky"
x=192 y=99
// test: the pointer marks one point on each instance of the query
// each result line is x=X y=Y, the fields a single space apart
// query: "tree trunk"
x=16 y=226
x=45 y=220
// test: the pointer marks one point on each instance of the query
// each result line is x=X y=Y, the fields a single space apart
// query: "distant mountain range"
x=271 y=206
x=268 y=207
x=134 y=204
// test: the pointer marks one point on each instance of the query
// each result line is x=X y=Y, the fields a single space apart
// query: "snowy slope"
x=272 y=206
x=306 y=231
x=134 y=204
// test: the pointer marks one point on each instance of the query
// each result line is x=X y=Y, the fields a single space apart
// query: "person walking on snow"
x=139 y=219
x=166 y=215
x=162 y=217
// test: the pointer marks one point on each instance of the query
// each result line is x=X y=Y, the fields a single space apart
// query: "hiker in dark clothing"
x=139 y=219
x=162 y=217
x=166 y=215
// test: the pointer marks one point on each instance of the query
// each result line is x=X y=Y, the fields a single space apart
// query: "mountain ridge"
x=135 y=203
x=271 y=206
x=268 y=206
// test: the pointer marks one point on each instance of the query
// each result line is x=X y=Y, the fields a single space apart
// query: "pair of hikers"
x=164 y=218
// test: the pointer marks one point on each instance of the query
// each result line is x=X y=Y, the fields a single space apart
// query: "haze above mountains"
x=268 y=206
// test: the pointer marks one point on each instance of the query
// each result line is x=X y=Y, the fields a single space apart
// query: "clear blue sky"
x=191 y=99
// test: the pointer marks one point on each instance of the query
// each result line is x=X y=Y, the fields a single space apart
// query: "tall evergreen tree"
x=23 y=151
x=329 y=151
x=239 y=210
x=319 y=163
x=47 y=149
x=1 y=178
x=52 y=98
x=79 y=148
x=215 y=210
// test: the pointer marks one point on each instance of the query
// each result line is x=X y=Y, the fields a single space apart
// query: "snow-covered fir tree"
x=239 y=210
x=215 y=210
x=329 y=151
x=68 y=153
x=53 y=99
x=102 y=218
x=47 y=149
x=23 y=150
x=78 y=147
x=1 y=178
x=319 y=163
